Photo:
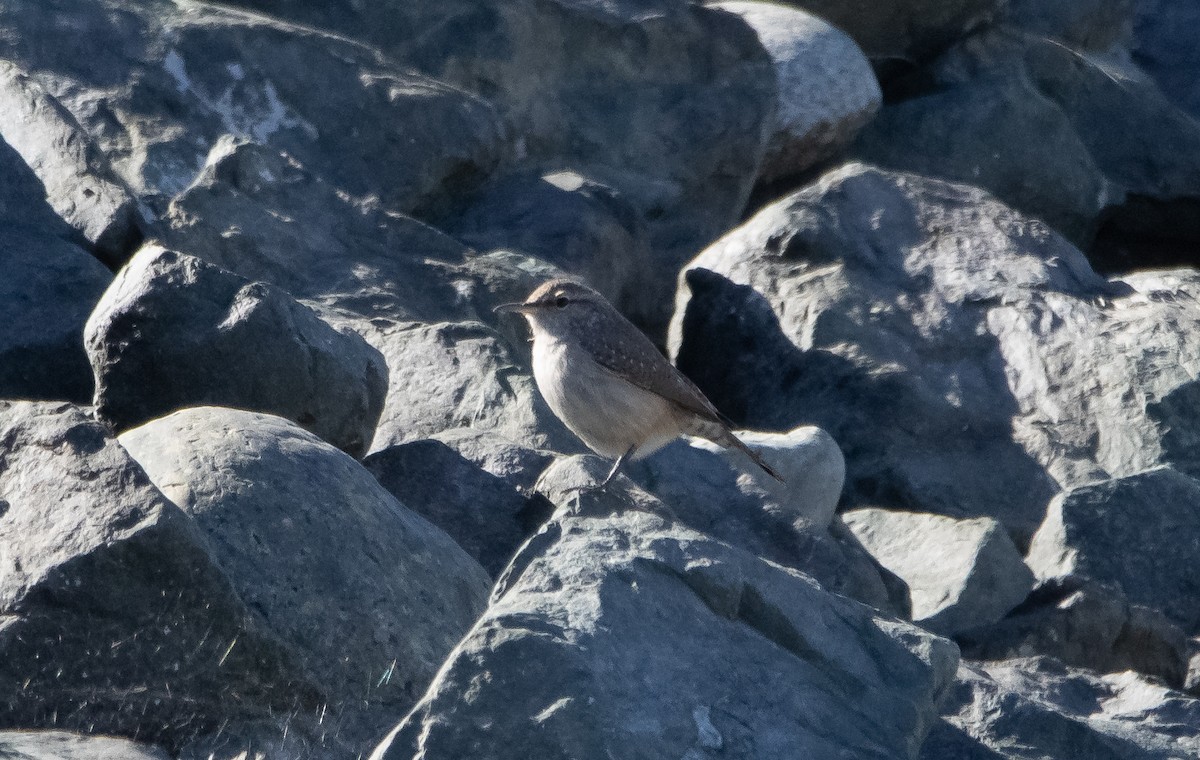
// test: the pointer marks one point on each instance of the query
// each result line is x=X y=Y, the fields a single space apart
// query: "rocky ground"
x=275 y=482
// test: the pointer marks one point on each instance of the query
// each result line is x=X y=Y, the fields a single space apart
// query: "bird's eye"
x=561 y=302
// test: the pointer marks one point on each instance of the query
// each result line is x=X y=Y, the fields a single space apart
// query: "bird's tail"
x=729 y=440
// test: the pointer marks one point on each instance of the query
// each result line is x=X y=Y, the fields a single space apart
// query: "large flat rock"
x=621 y=634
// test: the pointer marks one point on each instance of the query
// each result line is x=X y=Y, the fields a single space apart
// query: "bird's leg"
x=613 y=472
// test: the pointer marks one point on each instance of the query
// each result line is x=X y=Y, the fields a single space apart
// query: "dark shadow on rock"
x=906 y=445
x=1178 y=415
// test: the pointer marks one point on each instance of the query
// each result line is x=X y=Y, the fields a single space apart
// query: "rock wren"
x=608 y=383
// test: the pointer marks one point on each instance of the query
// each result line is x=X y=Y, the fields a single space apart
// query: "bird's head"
x=560 y=306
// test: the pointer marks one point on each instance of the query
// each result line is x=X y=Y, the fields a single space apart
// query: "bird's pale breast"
x=609 y=414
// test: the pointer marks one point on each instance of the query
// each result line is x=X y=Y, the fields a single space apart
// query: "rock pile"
x=276 y=481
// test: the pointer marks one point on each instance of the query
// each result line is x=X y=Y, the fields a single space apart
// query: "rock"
x=1092 y=531
x=452 y=375
x=827 y=90
x=259 y=213
x=515 y=464
x=971 y=116
x=582 y=226
x=960 y=573
x=79 y=184
x=1164 y=47
x=1192 y=683
x=116 y=619
x=619 y=635
x=414 y=293
x=694 y=487
x=1037 y=708
x=47 y=288
x=849 y=351
x=806 y=458
x=48 y=284
x=482 y=512
x=156 y=84
x=905 y=31
x=370 y=596
x=63 y=745
x=173 y=332
x=1091 y=25
x=1086 y=625
x=951 y=346
x=668 y=102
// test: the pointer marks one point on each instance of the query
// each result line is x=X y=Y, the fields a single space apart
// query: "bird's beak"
x=505 y=308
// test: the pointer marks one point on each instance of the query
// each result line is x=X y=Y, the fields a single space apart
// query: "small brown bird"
x=608 y=383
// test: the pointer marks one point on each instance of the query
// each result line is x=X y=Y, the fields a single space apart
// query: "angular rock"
x=482 y=512
x=951 y=346
x=156 y=84
x=48 y=285
x=620 y=635
x=47 y=288
x=1140 y=532
x=1112 y=150
x=173 y=332
x=452 y=375
x=693 y=487
x=1086 y=625
x=63 y=745
x=668 y=102
x=114 y=616
x=960 y=573
x=258 y=213
x=580 y=225
x=806 y=458
x=1192 y=683
x=1087 y=25
x=515 y=464
x=905 y=31
x=1037 y=708
x=79 y=184
x=826 y=89
x=1165 y=47
x=368 y=594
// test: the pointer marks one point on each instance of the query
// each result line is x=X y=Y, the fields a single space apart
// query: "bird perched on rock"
x=608 y=383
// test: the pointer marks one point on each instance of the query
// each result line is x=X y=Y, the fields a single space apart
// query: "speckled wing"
x=631 y=356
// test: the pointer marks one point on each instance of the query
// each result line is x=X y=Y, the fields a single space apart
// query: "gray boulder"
x=1140 y=532
x=951 y=346
x=667 y=102
x=482 y=512
x=368 y=595
x=1192 y=682
x=1086 y=625
x=512 y=462
x=904 y=31
x=48 y=285
x=1165 y=47
x=826 y=89
x=960 y=573
x=173 y=331
x=450 y=375
x=1111 y=148
x=1038 y=708
x=616 y=633
x=694 y=487
x=156 y=84
x=117 y=619
x=1082 y=25
x=417 y=295
x=47 y=288
x=63 y=745
x=79 y=184
x=259 y=213
x=578 y=224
